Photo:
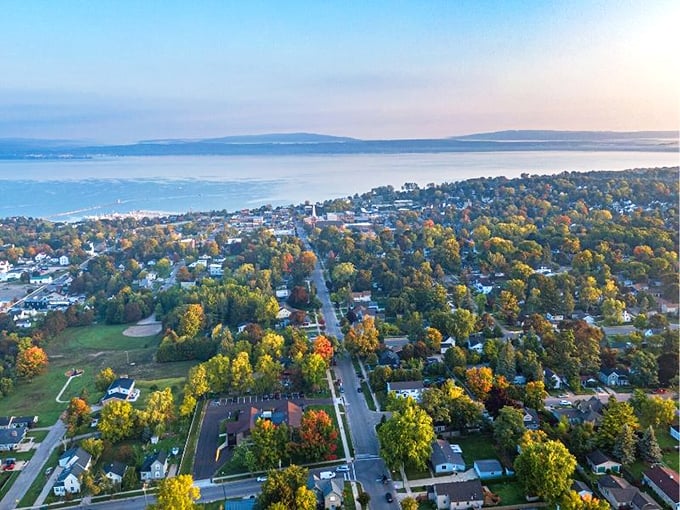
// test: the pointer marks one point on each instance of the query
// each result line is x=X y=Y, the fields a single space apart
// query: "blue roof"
x=240 y=504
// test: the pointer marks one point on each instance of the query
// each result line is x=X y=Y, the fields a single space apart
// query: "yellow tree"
x=117 y=420
x=178 y=493
x=480 y=381
x=31 y=361
x=160 y=408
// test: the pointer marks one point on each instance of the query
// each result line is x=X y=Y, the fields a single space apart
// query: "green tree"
x=625 y=445
x=218 y=372
x=644 y=370
x=117 y=420
x=406 y=438
x=364 y=499
x=506 y=364
x=287 y=488
x=615 y=417
x=654 y=410
x=104 y=379
x=508 y=428
x=649 y=447
x=343 y=274
x=463 y=324
x=535 y=394
x=313 y=369
x=269 y=443
x=545 y=468
x=178 y=493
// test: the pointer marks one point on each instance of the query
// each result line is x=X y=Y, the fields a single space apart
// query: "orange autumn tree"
x=324 y=348
x=318 y=436
x=480 y=381
x=31 y=361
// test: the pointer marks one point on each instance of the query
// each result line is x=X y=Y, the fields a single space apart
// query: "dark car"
x=389 y=497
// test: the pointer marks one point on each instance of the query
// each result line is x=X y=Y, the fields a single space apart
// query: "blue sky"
x=121 y=71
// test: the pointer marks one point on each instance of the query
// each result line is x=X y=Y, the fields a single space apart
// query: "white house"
x=63 y=260
x=75 y=462
x=155 y=467
x=447 y=344
x=458 y=495
x=43 y=279
x=215 y=270
x=444 y=459
x=5 y=266
x=122 y=388
x=115 y=472
x=613 y=376
x=403 y=389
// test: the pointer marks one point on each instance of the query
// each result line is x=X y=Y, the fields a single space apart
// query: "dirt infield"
x=143 y=330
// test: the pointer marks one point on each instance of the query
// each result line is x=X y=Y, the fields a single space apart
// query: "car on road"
x=326 y=475
x=388 y=497
x=565 y=403
x=48 y=471
x=342 y=469
x=261 y=478
x=360 y=389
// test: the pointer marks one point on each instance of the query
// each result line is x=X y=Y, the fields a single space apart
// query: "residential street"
x=369 y=467
x=34 y=469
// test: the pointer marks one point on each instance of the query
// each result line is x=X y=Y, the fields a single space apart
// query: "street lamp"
x=144 y=490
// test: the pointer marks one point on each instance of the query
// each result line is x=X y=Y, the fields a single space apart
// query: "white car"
x=565 y=403
x=261 y=478
x=342 y=469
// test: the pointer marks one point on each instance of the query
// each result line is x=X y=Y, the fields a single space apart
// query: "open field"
x=90 y=349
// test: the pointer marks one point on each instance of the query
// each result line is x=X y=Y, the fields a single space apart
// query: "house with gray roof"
x=404 y=389
x=488 y=468
x=328 y=492
x=457 y=495
x=621 y=494
x=444 y=459
x=600 y=463
x=75 y=462
x=11 y=438
x=155 y=466
x=665 y=483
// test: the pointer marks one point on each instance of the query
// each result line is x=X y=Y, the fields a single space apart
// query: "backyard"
x=90 y=349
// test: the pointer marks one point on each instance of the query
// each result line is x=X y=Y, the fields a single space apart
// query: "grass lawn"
x=348 y=500
x=90 y=349
x=368 y=396
x=415 y=474
x=37 y=435
x=510 y=491
x=7 y=478
x=476 y=448
x=668 y=445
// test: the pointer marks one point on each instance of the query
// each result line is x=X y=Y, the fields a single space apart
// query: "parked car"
x=565 y=403
x=342 y=469
x=389 y=497
x=261 y=478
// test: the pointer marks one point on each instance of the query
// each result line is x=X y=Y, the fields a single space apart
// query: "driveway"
x=34 y=468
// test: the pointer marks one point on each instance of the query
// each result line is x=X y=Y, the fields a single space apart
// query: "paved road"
x=368 y=466
x=34 y=468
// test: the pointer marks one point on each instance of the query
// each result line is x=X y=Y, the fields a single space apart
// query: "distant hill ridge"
x=526 y=135
x=263 y=138
x=312 y=143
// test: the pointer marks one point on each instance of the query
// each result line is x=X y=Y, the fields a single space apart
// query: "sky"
x=120 y=71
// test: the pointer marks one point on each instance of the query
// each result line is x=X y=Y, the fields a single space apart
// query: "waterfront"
x=72 y=189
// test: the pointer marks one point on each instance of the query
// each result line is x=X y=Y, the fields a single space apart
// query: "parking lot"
x=219 y=409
